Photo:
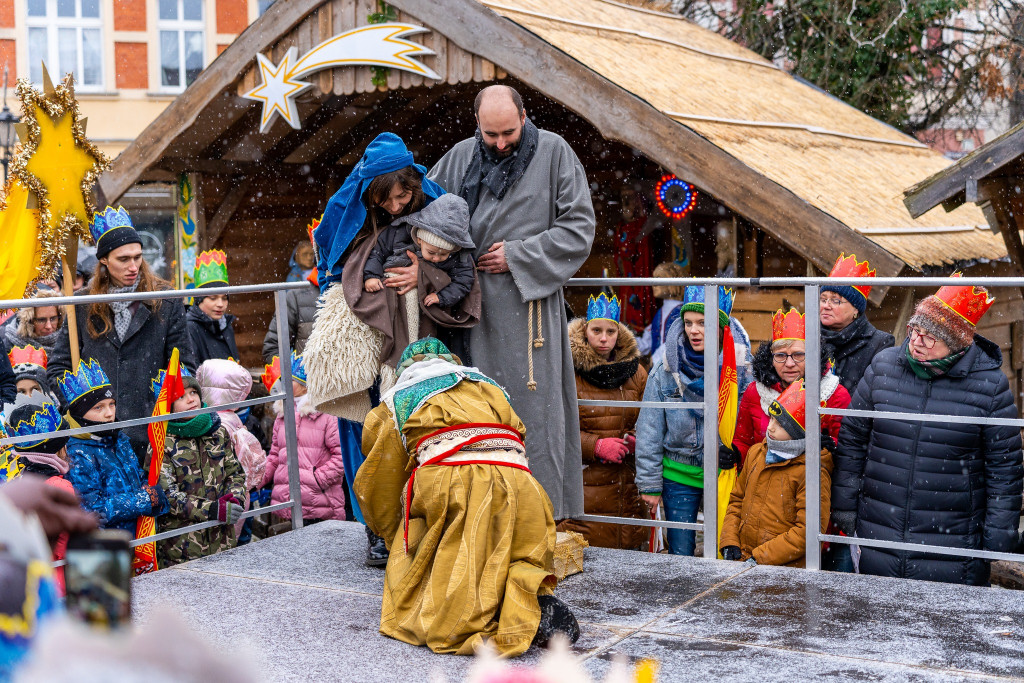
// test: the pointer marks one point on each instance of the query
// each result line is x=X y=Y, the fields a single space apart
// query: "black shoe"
x=555 y=617
x=376 y=550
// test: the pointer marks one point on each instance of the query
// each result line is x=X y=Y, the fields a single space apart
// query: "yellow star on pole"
x=61 y=165
x=57 y=164
x=278 y=90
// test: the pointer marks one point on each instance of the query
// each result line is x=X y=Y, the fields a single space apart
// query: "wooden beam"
x=620 y=115
x=232 y=200
x=950 y=183
x=1011 y=222
x=215 y=79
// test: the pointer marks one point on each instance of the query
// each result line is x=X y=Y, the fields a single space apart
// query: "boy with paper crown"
x=210 y=327
x=767 y=517
x=104 y=469
x=29 y=366
x=203 y=479
x=321 y=468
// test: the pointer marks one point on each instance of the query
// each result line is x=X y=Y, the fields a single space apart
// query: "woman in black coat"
x=845 y=326
x=938 y=483
x=132 y=341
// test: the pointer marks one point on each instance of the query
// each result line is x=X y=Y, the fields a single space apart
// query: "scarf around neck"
x=611 y=375
x=200 y=425
x=930 y=369
x=839 y=339
x=784 y=450
x=122 y=309
x=497 y=174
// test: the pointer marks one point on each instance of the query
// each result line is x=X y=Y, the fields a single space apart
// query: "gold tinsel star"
x=57 y=163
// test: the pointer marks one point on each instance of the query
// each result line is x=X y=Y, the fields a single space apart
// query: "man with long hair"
x=132 y=340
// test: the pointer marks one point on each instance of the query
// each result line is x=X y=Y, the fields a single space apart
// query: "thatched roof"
x=815 y=173
x=835 y=157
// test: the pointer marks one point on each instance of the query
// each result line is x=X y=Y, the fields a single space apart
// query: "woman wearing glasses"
x=38 y=326
x=953 y=482
x=844 y=326
x=777 y=365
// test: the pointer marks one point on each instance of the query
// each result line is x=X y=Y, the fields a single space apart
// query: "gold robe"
x=481 y=538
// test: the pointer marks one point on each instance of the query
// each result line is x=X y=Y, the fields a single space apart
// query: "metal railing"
x=280 y=290
x=812 y=380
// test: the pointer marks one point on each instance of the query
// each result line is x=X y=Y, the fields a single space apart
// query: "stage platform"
x=310 y=609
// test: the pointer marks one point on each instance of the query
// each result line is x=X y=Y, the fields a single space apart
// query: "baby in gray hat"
x=438 y=234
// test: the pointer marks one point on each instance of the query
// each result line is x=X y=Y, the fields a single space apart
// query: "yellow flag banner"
x=171 y=389
x=20 y=246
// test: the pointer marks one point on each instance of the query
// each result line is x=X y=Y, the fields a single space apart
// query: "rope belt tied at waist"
x=483 y=443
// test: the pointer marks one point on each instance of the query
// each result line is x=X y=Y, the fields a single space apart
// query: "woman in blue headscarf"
x=385 y=184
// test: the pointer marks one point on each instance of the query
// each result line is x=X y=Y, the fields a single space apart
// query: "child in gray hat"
x=438 y=234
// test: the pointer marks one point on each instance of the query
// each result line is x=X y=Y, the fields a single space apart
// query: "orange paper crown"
x=310 y=228
x=271 y=373
x=30 y=355
x=788 y=325
x=847 y=266
x=791 y=401
x=970 y=303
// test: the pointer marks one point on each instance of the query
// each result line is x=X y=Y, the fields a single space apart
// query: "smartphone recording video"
x=98 y=578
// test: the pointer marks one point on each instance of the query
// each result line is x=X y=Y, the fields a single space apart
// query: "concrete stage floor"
x=319 y=608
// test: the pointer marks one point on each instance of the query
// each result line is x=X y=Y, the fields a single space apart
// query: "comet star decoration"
x=374 y=45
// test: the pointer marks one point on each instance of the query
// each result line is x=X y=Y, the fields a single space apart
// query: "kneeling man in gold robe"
x=447 y=484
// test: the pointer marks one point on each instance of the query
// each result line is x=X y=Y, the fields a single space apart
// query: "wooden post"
x=71 y=256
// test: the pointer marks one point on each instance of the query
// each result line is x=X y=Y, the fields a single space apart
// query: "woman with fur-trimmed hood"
x=38 y=326
x=607 y=362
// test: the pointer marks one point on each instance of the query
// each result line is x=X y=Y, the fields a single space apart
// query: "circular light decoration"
x=675 y=198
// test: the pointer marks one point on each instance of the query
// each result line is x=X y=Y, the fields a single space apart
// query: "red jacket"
x=752 y=423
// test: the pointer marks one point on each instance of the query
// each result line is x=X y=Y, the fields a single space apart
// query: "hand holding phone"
x=98 y=578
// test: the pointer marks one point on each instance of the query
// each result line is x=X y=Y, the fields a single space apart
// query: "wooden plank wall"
x=452 y=63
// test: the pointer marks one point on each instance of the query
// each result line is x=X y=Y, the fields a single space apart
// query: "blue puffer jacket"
x=939 y=483
x=678 y=434
x=108 y=480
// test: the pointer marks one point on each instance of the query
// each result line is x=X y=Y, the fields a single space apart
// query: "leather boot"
x=376 y=550
x=555 y=617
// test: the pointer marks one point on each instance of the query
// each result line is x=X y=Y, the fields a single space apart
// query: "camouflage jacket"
x=195 y=473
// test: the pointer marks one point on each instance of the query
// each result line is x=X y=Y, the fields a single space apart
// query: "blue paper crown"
x=298 y=369
x=46 y=419
x=600 y=307
x=693 y=300
x=157 y=382
x=110 y=219
x=79 y=383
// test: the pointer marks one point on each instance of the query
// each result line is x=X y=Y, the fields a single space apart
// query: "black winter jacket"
x=394 y=242
x=8 y=382
x=939 y=483
x=301 y=310
x=854 y=346
x=133 y=362
x=209 y=339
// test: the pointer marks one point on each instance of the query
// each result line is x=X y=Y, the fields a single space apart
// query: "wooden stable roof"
x=817 y=174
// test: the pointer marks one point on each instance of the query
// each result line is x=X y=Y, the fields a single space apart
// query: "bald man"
x=533 y=224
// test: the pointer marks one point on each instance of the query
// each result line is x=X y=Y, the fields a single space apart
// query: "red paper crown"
x=792 y=401
x=30 y=355
x=847 y=266
x=271 y=373
x=970 y=303
x=212 y=256
x=788 y=325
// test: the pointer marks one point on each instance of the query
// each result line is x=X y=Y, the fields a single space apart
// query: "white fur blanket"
x=342 y=358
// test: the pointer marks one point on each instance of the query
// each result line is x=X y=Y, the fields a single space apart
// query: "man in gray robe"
x=533 y=224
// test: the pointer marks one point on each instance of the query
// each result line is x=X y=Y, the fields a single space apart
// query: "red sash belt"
x=502 y=432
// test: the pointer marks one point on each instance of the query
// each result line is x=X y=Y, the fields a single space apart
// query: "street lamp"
x=8 y=136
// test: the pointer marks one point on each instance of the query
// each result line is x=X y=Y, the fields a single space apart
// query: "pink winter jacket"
x=225 y=381
x=321 y=471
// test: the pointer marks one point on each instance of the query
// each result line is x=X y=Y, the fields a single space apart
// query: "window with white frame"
x=181 y=42
x=65 y=35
